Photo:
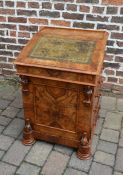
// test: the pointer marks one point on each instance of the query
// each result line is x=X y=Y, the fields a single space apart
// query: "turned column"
x=84 y=150
x=28 y=138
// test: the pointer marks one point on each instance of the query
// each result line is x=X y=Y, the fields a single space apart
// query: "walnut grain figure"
x=60 y=72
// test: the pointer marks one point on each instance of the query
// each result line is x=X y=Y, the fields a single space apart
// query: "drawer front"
x=58 y=75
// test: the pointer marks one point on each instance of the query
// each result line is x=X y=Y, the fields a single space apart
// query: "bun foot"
x=28 y=139
x=83 y=152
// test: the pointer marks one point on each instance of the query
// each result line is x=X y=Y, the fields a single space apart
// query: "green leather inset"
x=64 y=50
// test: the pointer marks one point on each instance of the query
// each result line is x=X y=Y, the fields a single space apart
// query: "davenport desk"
x=60 y=72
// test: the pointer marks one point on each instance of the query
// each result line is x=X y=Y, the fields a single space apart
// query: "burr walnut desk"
x=60 y=72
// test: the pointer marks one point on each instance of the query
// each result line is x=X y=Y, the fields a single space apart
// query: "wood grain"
x=62 y=99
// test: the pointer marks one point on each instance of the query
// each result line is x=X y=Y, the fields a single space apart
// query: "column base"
x=28 y=139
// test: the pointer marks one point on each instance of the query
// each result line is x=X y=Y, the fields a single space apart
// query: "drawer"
x=58 y=75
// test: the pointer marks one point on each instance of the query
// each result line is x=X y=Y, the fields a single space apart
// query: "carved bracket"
x=87 y=95
x=25 y=83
